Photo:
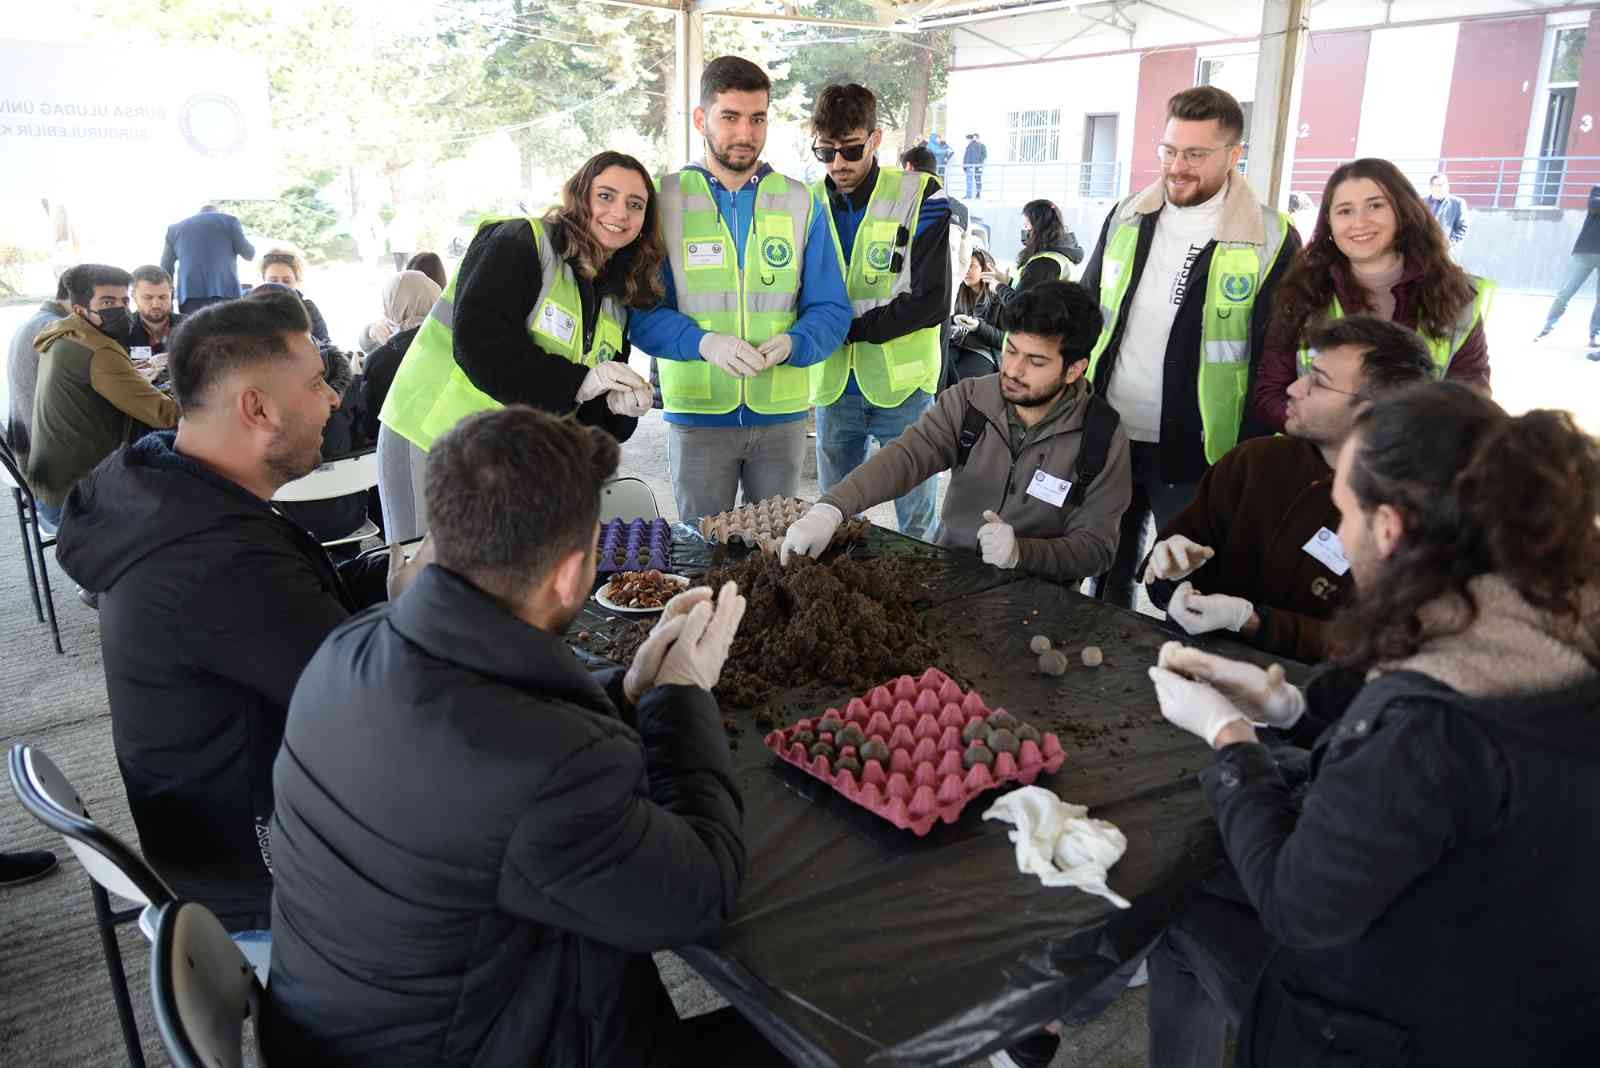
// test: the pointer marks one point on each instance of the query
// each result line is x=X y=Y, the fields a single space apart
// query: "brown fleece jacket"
x=1257 y=507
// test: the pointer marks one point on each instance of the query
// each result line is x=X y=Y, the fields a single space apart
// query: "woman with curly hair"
x=537 y=314
x=1376 y=249
x=1427 y=897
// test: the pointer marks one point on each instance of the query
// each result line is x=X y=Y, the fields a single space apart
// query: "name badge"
x=1048 y=488
x=554 y=321
x=139 y=354
x=1325 y=548
x=705 y=253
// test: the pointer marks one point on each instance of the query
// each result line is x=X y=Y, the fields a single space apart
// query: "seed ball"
x=977 y=728
x=1003 y=720
x=1040 y=644
x=850 y=735
x=1027 y=732
x=830 y=725
x=1053 y=662
x=848 y=763
x=822 y=749
x=875 y=749
x=977 y=753
x=805 y=738
x=1092 y=656
x=1004 y=741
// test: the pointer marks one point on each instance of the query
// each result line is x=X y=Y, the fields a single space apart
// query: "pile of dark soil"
x=840 y=622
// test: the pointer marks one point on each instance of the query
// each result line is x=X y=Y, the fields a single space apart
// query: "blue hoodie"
x=822 y=305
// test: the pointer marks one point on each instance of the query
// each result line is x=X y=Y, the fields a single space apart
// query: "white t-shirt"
x=1181 y=235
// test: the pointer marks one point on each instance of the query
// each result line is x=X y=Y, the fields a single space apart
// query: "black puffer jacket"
x=210 y=604
x=1435 y=900
x=475 y=854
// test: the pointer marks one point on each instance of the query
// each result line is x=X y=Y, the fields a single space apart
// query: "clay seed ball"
x=1040 y=644
x=1092 y=656
x=1053 y=662
x=977 y=753
x=1003 y=720
x=830 y=725
x=805 y=738
x=822 y=749
x=1027 y=732
x=875 y=749
x=1004 y=741
x=975 y=729
x=850 y=735
x=848 y=763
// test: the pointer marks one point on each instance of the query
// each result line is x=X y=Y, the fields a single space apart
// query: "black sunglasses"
x=851 y=153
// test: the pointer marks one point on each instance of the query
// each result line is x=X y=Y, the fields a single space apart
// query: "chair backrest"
x=46 y=793
x=11 y=474
x=202 y=989
x=628 y=498
x=339 y=478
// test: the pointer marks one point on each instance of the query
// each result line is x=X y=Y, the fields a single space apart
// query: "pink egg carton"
x=901 y=749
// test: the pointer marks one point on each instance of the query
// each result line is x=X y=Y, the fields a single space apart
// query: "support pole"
x=689 y=56
x=1280 y=74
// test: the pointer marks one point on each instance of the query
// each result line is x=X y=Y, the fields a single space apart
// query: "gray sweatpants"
x=711 y=464
x=401 y=466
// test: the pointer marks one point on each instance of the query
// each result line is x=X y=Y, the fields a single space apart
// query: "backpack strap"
x=1100 y=422
x=972 y=426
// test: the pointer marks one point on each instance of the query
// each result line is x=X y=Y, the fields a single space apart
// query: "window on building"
x=1566 y=58
x=1034 y=136
x=1099 y=177
x=1561 y=88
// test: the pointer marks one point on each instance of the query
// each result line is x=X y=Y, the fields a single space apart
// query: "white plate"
x=606 y=602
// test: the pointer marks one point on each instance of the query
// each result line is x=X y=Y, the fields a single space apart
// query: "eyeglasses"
x=851 y=153
x=1192 y=156
x=1313 y=385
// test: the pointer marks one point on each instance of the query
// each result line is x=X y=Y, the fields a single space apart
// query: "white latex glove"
x=810 y=534
x=647 y=660
x=968 y=321
x=998 y=542
x=403 y=573
x=1194 y=706
x=1266 y=696
x=1175 y=558
x=633 y=403
x=1202 y=613
x=607 y=376
x=775 y=350
x=701 y=646
x=732 y=354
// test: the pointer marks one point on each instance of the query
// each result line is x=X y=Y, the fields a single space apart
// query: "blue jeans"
x=49 y=518
x=843 y=428
x=1582 y=264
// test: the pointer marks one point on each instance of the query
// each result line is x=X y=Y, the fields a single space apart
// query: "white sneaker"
x=1002 y=1060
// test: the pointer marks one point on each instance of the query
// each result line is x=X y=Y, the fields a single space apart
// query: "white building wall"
x=1407 y=92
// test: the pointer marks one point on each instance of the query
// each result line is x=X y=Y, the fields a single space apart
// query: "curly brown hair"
x=1307 y=288
x=640 y=262
x=1479 y=492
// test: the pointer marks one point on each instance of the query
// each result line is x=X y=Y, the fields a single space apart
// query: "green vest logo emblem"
x=880 y=255
x=1238 y=287
x=777 y=252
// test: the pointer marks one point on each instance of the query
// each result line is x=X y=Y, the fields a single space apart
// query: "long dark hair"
x=968 y=297
x=1444 y=291
x=1044 y=219
x=1479 y=492
x=640 y=261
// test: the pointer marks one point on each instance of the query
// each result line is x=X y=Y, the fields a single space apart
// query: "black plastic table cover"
x=858 y=943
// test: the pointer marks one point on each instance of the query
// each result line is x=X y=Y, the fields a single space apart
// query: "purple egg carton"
x=635 y=545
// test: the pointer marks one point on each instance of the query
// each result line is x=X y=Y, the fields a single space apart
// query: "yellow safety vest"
x=1233 y=280
x=1061 y=262
x=755 y=305
x=877 y=272
x=1442 y=349
x=431 y=393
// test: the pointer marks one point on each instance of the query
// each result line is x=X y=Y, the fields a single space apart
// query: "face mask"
x=114 y=322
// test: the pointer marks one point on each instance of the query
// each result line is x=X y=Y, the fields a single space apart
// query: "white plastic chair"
x=202 y=989
x=337 y=478
x=628 y=498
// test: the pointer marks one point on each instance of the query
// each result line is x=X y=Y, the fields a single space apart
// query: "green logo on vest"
x=777 y=252
x=1238 y=287
x=879 y=255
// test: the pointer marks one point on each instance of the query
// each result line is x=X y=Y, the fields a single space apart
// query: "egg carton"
x=636 y=545
x=917 y=750
x=763 y=524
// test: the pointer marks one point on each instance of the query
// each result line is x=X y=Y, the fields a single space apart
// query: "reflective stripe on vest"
x=1063 y=264
x=431 y=393
x=889 y=373
x=755 y=304
x=1233 y=279
x=1442 y=349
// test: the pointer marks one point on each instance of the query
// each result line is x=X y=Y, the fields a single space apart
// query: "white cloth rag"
x=1057 y=841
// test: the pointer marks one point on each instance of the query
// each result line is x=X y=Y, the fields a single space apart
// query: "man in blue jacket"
x=203 y=248
x=754 y=298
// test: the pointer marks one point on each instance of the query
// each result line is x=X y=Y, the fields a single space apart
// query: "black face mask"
x=114 y=322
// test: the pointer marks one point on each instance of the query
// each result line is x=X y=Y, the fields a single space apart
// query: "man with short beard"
x=1185 y=271
x=211 y=602
x=754 y=299
x=1039 y=467
x=154 y=320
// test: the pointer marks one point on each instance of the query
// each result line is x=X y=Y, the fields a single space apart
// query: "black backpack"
x=1099 y=423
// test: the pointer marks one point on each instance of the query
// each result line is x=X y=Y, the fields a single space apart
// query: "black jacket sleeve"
x=319 y=326
x=927 y=302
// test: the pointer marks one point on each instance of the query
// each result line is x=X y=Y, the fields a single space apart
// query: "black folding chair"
x=202 y=988
x=34 y=540
x=111 y=864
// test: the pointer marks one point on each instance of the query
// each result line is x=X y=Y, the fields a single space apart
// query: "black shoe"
x=89 y=598
x=19 y=868
x=1035 y=1051
x=1543 y=333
